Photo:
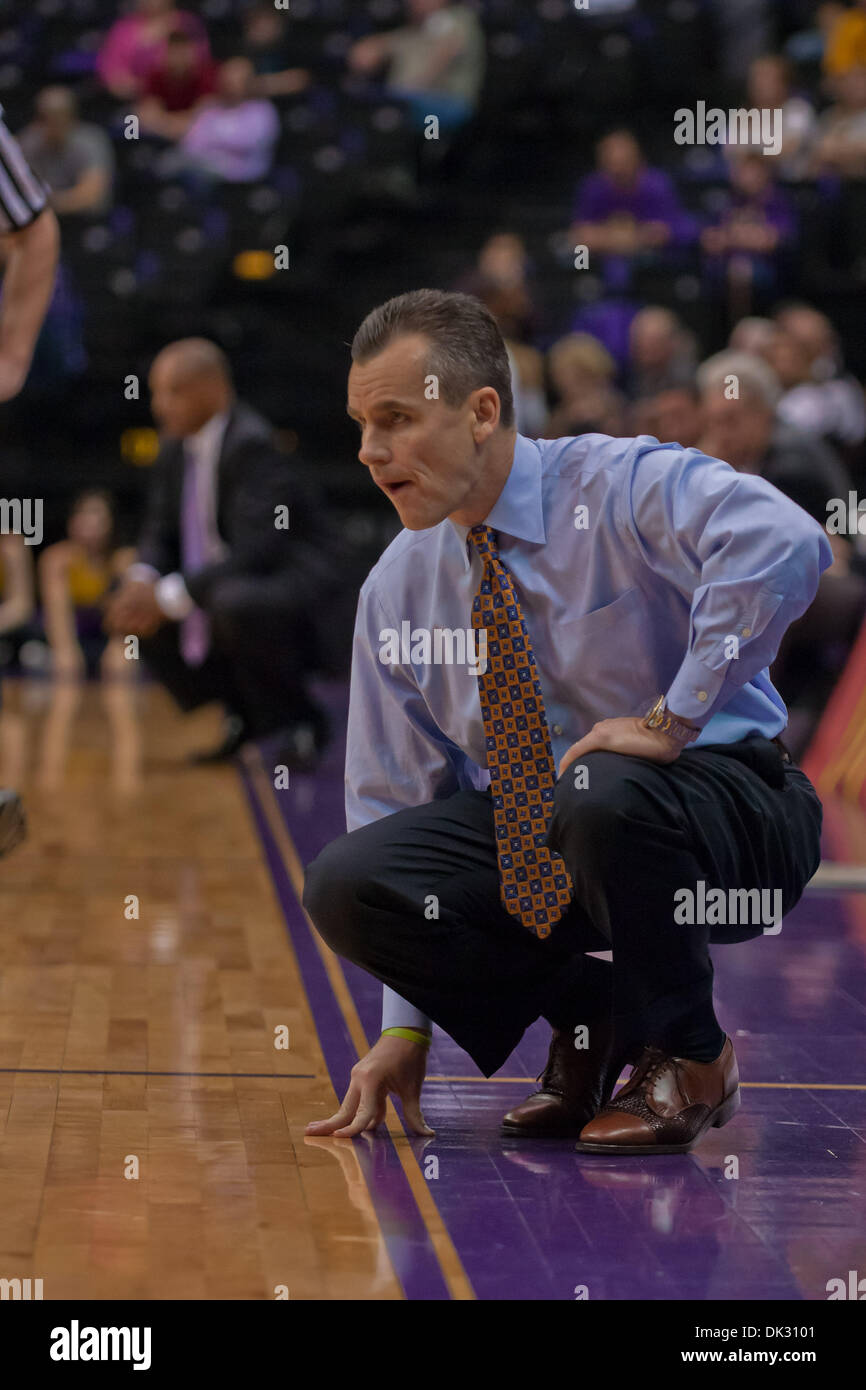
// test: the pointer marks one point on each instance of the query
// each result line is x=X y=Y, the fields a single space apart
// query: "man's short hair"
x=467 y=350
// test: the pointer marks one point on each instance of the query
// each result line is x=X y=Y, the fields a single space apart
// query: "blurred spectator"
x=225 y=598
x=177 y=85
x=233 y=138
x=527 y=388
x=75 y=159
x=746 y=433
x=266 y=45
x=819 y=395
x=743 y=429
x=754 y=335
x=769 y=87
x=754 y=226
x=672 y=416
x=500 y=277
x=436 y=61
x=840 y=140
x=661 y=352
x=846 y=41
x=17 y=604
x=582 y=373
x=75 y=578
x=136 y=42
x=626 y=209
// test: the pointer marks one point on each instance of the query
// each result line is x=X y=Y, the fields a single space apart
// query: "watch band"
x=661 y=718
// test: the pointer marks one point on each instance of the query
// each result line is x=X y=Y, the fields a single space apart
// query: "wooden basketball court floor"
x=153 y=952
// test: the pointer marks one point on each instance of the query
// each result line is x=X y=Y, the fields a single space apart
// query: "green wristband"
x=423 y=1039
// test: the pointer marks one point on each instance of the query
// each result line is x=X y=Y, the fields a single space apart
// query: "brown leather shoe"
x=574 y=1085
x=666 y=1105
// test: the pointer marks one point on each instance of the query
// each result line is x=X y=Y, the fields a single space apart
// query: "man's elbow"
x=811 y=554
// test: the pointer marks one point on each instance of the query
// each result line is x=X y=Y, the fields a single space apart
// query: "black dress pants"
x=261 y=648
x=413 y=898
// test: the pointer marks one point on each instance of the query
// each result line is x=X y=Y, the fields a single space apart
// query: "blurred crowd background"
x=308 y=128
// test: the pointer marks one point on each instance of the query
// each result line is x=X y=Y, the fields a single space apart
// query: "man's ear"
x=487 y=413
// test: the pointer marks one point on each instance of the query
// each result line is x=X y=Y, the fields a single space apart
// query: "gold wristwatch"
x=661 y=718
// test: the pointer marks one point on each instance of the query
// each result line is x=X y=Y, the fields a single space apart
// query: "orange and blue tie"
x=534 y=884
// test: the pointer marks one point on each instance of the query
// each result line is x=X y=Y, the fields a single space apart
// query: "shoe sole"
x=716 y=1118
x=522 y=1132
x=13 y=824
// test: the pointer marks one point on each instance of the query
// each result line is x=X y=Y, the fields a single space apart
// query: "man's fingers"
x=576 y=751
x=379 y=1116
x=368 y=1109
x=414 y=1119
x=345 y=1113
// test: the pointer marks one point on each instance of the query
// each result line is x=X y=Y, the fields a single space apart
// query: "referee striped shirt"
x=23 y=195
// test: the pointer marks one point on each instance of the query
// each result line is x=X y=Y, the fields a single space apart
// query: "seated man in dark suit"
x=231 y=568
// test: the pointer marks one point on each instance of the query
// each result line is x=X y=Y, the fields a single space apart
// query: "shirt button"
x=747 y=632
x=702 y=695
x=557 y=728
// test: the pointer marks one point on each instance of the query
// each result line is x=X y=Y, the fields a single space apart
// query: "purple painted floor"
x=536 y=1220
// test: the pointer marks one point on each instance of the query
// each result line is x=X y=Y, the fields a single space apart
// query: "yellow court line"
x=450 y=1263
x=756 y=1085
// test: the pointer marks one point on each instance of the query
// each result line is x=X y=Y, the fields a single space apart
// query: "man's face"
x=235 y=78
x=790 y=359
x=55 y=118
x=810 y=330
x=740 y=430
x=181 y=401
x=422 y=453
x=651 y=340
x=619 y=157
x=676 y=416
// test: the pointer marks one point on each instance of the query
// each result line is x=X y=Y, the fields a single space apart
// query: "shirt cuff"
x=172 y=596
x=396 y=1013
x=698 y=691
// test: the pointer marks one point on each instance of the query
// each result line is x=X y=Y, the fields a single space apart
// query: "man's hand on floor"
x=393 y=1066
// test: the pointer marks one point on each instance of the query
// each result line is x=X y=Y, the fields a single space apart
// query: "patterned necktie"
x=534 y=884
x=195 y=628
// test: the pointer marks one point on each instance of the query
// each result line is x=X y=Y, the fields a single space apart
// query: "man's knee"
x=332 y=883
x=591 y=808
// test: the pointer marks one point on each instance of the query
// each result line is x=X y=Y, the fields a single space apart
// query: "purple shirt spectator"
x=236 y=142
x=652 y=198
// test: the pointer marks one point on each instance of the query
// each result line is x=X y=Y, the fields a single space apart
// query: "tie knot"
x=484 y=539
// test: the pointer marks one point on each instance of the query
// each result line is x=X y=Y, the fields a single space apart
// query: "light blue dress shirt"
x=641 y=568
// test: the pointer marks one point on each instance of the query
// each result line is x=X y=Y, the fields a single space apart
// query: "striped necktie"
x=534 y=884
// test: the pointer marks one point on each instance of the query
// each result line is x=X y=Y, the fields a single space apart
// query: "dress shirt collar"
x=207 y=442
x=518 y=509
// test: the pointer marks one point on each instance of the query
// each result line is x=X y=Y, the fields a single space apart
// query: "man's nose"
x=373 y=451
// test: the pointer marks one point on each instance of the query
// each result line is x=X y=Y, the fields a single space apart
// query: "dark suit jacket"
x=253 y=478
